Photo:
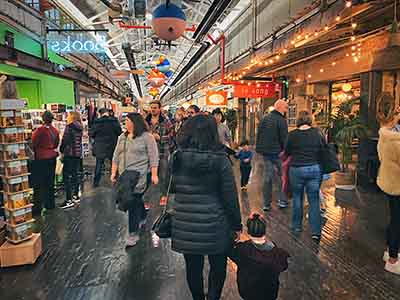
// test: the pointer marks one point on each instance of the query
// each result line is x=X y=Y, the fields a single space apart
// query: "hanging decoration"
x=169 y=22
x=154 y=92
x=156 y=78
x=163 y=64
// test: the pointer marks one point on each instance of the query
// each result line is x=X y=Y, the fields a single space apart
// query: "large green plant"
x=232 y=121
x=346 y=126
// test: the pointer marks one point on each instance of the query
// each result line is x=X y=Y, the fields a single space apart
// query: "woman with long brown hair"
x=136 y=151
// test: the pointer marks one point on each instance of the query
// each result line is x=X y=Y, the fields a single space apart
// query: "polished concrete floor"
x=84 y=257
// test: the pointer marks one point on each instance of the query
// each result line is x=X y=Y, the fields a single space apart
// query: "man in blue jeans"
x=271 y=139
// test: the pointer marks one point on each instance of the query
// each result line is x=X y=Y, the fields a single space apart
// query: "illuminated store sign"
x=77 y=45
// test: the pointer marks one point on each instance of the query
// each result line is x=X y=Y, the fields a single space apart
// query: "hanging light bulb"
x=307 y=36
x=326 y=27
x=299 y=37
x=338 y=18
x=353 y=48
x=356 y=59
x=258 y=85
x=321 y=70
x=293 y=42
x=284 y=51
x=347 y=54
x=354 y=25
x=242 y=82
x=298 y=80
x=271 y=61
x=316 y=33
x=348 y=4
x=249 y=84
x=277 y=57
x=353 y=38
x=266 y=63
x=333 y=63
x=309 y=76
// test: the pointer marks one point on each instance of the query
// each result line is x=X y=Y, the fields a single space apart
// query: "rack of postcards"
x=17 y=195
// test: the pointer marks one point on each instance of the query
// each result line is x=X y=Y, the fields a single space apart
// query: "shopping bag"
x=59 y=167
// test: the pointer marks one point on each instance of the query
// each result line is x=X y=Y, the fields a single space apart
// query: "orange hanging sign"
x=217 y=98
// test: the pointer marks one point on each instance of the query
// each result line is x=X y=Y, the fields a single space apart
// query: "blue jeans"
x=308 y=179
x=273 y=169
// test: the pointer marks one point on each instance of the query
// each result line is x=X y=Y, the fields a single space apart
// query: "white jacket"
x=389 y=155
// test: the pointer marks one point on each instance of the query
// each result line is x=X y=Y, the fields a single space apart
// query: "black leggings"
x=216 y=278
x=70 y=176
x=393 y=229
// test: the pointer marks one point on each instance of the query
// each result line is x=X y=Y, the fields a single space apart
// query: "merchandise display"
x=16 y=195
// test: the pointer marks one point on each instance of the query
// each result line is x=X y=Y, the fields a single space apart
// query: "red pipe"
x=123 y=25
x=222 y=38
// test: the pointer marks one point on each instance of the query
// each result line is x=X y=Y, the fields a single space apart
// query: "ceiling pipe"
x=132 y=65
x=214 y=12
x=195 y=58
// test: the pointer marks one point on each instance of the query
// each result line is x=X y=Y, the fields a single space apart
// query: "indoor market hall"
x=205 y=150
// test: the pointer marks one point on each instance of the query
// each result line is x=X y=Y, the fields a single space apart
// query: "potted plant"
x=232 y=121
x=346 y=126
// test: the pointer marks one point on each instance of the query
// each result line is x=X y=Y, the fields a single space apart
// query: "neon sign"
x=77 y=45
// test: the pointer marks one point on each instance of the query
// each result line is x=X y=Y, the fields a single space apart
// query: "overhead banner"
x=257 y=90
x=120 y=74
x=217 y=98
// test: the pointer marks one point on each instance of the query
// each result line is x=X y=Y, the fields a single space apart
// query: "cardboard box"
x=25 y=253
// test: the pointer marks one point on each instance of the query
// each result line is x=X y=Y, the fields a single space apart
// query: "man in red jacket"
x=45 y=141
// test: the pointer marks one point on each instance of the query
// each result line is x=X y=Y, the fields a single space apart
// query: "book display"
x=16 y=196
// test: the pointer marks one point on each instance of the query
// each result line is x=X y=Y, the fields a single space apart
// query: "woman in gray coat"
x=206 y=215
x=136 y=150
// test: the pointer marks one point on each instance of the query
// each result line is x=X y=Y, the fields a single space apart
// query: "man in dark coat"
x=105 y=133
x=271 y=139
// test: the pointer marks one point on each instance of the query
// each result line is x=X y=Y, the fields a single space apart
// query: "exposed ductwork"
x=203 y=49
x=213 y=13
x=127 y=48
x=195 y=58
x=140 y=8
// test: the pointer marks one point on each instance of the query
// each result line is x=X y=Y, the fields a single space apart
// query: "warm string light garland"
x=304 y=38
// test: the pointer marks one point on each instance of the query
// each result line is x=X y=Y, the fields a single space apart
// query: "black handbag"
x=162 y=227
x=124 y=188
x=328 y=159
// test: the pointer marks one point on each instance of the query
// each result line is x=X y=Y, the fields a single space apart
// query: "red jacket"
x=45 y=140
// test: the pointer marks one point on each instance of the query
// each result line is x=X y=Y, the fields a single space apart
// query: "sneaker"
x=132 y=240
x=386 y=256
x=267 y=208
x=44 y=211
x=316 y=237
x=76 y=199
x=67 y=204
x=393 y=268
x=282 y=204
x=323 y=212
x=244 y=188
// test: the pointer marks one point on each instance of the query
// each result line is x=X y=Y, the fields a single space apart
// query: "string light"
x=309 y=76
x=285 y=51
x=321 y=70
x=298 y=80
x=333 y=63
x=354 y=25
x=266 y=63
x=347 y=54
x=326 y=28
x=299 y=37
x=356 y=59
x=353 y=38
x=271 y=61
x=338 y=18
x=353 y=48
x=277 y=57
x=307 y=36
x=348 y=4
x=293 y=42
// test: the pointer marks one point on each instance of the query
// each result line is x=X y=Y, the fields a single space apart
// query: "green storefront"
x=35 y=87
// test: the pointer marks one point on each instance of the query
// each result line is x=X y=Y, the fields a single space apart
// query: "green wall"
x=41 y=88
x=30 y=90
x=30 y=46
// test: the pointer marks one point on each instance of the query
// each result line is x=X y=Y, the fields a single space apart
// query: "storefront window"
x=35 y=4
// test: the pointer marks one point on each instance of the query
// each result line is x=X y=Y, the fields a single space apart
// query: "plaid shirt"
x=165 y=130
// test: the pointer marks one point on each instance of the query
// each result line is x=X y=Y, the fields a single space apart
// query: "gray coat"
x=206 y=210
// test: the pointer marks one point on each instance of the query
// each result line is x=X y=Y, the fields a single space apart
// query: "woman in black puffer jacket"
x=206 y=214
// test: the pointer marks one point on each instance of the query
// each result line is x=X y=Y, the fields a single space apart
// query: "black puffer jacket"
x=105 y=132
x=272 y=134
x=206 y=210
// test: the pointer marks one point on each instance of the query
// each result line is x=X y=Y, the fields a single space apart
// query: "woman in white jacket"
x=388 y=181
